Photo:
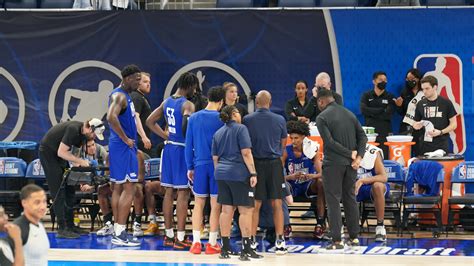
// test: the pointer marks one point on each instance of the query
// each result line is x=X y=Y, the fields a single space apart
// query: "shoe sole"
x=281 y=252
x=126 y=244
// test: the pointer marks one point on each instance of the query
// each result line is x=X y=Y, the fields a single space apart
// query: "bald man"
x=268 y=134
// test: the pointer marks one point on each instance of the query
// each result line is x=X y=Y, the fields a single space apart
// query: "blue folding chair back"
x=35 y=170
x=152 y=169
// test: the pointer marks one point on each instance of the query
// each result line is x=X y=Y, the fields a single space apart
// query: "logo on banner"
x=447 y=69
x=91 y=103
x=199 y=67
x=4 y=110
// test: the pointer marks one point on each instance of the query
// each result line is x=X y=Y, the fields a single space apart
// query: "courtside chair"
x=462 y=174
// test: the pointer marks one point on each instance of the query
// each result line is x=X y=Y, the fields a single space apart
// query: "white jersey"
x=35 y=242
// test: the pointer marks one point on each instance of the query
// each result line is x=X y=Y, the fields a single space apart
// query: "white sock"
x=196 y=236
x=152 y=218
x=115 y=227
x=181 y=235
x=169 y=233
x=213 y=238
x=119 y=229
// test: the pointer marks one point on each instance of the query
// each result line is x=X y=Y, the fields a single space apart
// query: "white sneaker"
x=343 y=235
x=380 y=234
x=137 y=229
x=107 y=230
x=280 y=247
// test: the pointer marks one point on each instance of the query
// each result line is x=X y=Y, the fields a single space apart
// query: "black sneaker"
x=226 y=254
x=67 y=234
x=78 y=230
x=249 y=255
x=354 y=242
x=334 y=248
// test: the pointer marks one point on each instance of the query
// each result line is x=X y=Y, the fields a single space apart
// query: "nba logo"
x=447 y=68
x=462 y=171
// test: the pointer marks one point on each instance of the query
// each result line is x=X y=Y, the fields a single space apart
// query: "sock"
x=169 y=233
x=246 y=244
x=280 y=237
x=253 y=238
x=181 y=235
x=115 y=227
x=138 y=218
x=108 y=218
x=152 y=218
x=196 y=236
x=320 y=221
x=225 y=243
x=119 y=229
x=379 y=223
x=213 y=238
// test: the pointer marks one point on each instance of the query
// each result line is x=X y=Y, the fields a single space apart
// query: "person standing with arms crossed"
x=268 y=134
x=344 y=147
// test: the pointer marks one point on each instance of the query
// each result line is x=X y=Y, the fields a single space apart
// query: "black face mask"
x=382 y=85
x=410 y=84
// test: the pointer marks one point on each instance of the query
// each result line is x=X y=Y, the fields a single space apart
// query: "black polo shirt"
x=294 y=106
x=142 y=106
x=312 y=111
x=378 y=110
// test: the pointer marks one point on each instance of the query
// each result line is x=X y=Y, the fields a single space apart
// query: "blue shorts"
x=123 y=163
x=204 y=184
x=365 y=192
x=173 y=167
x=302 y=189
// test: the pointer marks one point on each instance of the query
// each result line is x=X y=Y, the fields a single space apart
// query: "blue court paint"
x=404 y=246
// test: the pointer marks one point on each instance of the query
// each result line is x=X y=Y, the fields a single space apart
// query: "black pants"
x=63 y=196
x=339 y=181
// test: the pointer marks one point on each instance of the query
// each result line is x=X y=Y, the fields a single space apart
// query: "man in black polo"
x=344 y=147
x=268 y=134
x=55 y=153
x=377 y=106
x=143 y=110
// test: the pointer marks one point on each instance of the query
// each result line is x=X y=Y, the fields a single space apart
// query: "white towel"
x=410 y=115
x=310 y=148
x=368 y=162
x=428 y=128
x=435 y=154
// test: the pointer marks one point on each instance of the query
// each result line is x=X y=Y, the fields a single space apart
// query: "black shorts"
x=270 y=179
x=235 y=193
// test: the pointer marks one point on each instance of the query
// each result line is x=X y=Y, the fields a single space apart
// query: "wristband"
x=253 y=174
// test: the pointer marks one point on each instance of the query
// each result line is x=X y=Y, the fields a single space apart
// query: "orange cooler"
x=400 y=151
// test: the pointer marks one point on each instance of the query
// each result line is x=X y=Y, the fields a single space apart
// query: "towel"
x=436 y=153
x=310 y=148
x=368 y=162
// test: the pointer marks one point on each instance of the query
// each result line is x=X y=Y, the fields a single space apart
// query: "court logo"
x=447 y=68
x=4 y=107
x=199 y=67
x=91 y=102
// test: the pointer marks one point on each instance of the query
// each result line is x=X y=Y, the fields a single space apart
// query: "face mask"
x=382 y=85
x=410 y=84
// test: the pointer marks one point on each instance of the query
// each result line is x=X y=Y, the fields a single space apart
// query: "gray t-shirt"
x=35 y=242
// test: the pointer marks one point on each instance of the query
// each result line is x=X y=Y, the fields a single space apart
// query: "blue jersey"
x=201 y=128
x=126 y=119
x=364 y=173
x=174 y=118
x=295 y=164
x=425 y=173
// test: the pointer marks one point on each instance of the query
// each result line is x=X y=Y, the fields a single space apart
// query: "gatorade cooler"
x=400 y=148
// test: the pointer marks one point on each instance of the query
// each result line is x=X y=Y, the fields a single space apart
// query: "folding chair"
x=428 y=175
x=393 y=203
x=12 y=177
x=462 y=174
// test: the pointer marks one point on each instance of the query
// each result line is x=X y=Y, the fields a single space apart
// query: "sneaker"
x=78 y=230
x=151 y=230
x=168 y=241
x=334 y=248
x=125 y=240
x=108 y=229
x=210 y=249
x=354 y=242
x=180 y=245
x=280 y=247
x=137 y=229
x=196 y=248
x=319 y=232
x=254 y=245
x=287 y=231
x=226 y=254
x=249 y=255
x=308 y=215
x=64 y=233
x=380 y=234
